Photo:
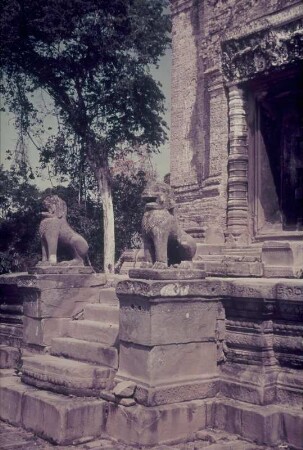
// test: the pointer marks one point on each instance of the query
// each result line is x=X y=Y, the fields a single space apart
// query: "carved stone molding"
x=273 y=48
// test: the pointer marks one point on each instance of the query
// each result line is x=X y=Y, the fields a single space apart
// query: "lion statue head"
x=159 y=195
x=56 y=207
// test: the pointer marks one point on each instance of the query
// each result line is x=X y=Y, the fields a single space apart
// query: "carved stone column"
x=237 y=204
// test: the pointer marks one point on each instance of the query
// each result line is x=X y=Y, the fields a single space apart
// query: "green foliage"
x=93 y=58
x=19 y=221
x=128 y=209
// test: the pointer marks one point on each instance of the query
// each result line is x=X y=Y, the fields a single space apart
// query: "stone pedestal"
x=49 y=300
x=168 y=339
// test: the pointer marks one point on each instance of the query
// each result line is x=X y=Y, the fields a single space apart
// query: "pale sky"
x=8 y=137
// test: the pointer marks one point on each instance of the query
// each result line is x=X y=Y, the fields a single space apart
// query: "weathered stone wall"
x=200 y=121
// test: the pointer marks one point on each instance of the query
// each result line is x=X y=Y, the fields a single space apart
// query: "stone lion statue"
x=165 y=243
x=54 y=228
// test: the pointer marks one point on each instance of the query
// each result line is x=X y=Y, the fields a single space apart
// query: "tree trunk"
x=104 y=184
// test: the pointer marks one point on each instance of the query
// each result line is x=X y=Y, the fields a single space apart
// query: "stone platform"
x=199 y=353
x=64 y=420
x=12 y=438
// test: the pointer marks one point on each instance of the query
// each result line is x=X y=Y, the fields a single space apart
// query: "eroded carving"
x=54 y=228
x=272 y=48
x=165 y=243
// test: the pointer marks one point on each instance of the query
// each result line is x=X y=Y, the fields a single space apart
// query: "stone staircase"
x=85 y=360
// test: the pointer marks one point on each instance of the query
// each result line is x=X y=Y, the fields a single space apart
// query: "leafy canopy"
x=93 y=58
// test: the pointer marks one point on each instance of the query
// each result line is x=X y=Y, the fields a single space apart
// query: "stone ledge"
x=159 y=290
x=177 y=392
x=53 y=281
x=269 y=425
x=57 y=269
x=269 y=288
x=178 y=274
x=270 y=385
x=63 y=420
x=52 y=416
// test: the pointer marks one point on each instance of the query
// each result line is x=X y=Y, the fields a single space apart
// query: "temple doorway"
x=276 y=156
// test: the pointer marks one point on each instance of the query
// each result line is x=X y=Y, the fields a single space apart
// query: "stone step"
x=89 y=330
x=85 y=351
x=234 y=268
x=108 y=296
x=54 y=417
x=209 y=258
x=243 y=251
x=102 y=312
x=66 y=376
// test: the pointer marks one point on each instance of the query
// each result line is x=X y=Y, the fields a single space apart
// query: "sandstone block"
x=41 y=331
x=167 y=322
x=60 y=419
x=168 y=274
x=265 y=425
x=164 y=363
x=138 y=425
x=124 y=389
x=12 y=392
x=293 y=428
x=102 y=312
x=126 y=401
x=180 y=391
x=227 y=417
x=89 y=330
x=60 y=281
x=107 y=295
x=275 y=253
x=64 y=302
x=155 y=289
x=64 y=375
x=85 y=351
